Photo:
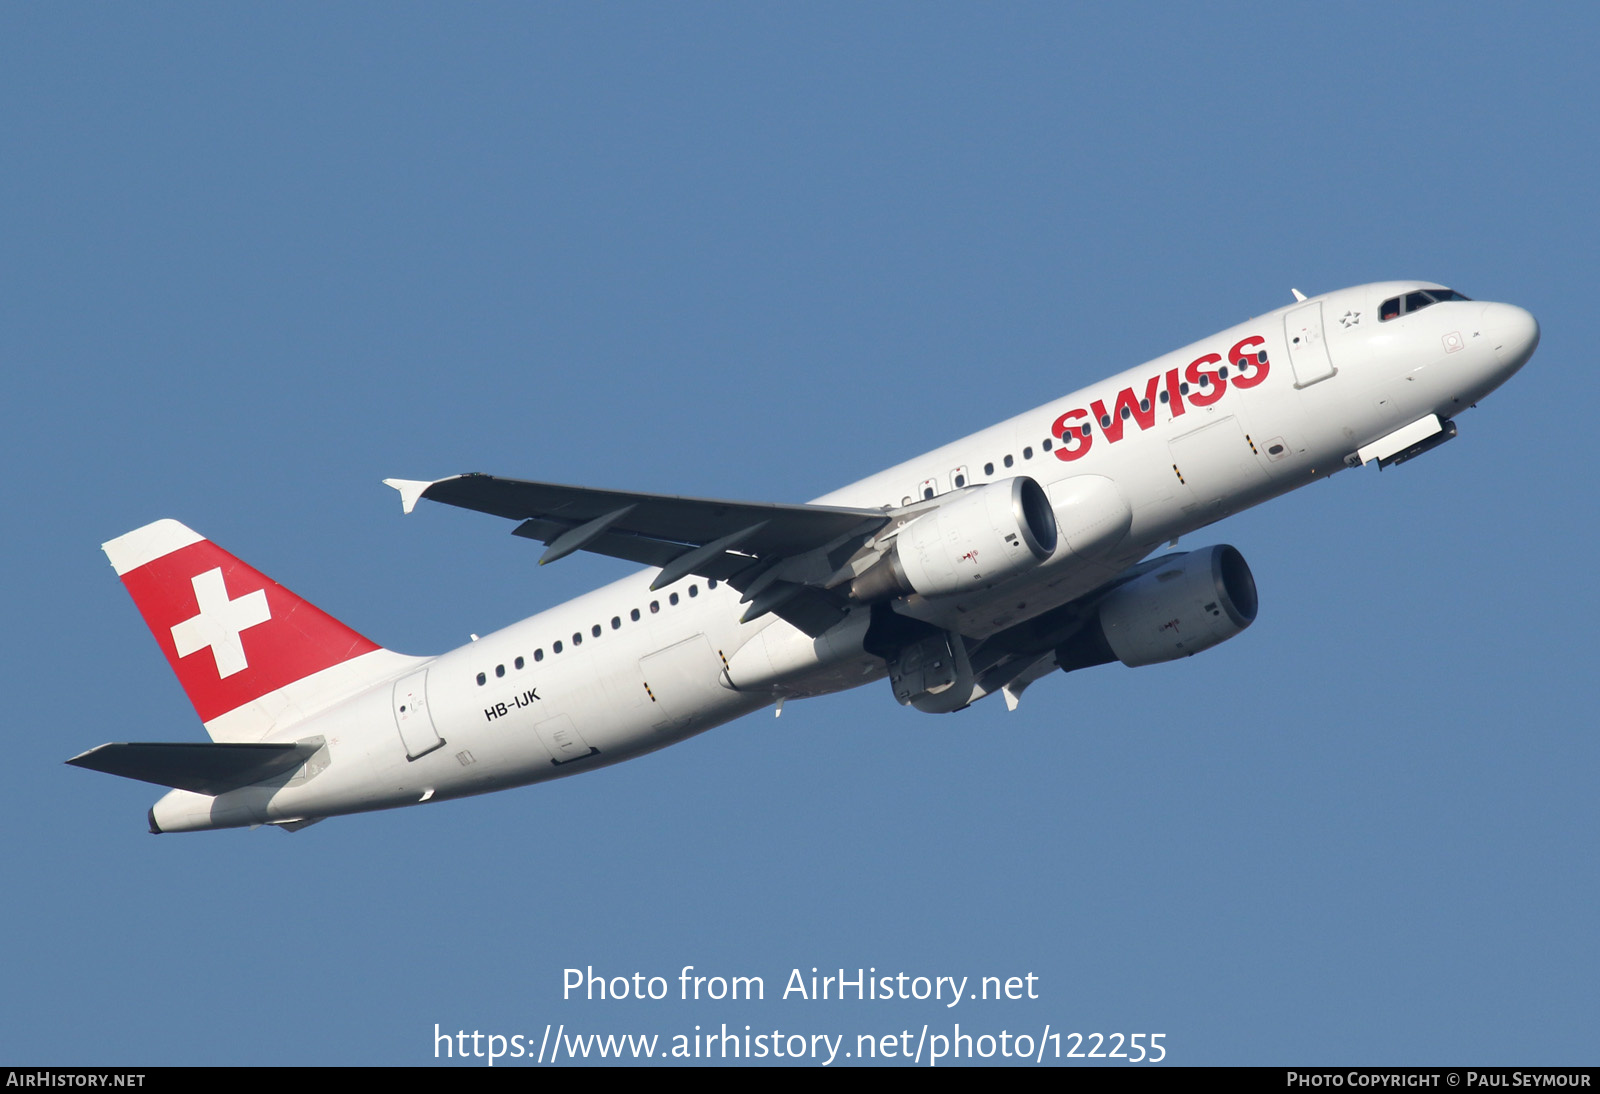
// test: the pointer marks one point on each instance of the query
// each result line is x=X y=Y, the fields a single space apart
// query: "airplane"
x=979 y=567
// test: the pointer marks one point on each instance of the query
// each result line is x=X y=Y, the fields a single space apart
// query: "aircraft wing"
x=784 y=558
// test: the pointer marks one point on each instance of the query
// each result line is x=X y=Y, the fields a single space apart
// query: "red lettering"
x=1204 y=394
x=1175 y=393
x=1143 y=412
x=1207 y=384
x=1074 y=441
x=1253 y=367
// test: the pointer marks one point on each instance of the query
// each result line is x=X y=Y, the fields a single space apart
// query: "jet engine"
x=978 y=538
x=1184 y=604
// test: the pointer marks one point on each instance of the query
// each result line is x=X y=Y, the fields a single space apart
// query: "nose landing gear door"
x=411 y=715
x=1308 y=350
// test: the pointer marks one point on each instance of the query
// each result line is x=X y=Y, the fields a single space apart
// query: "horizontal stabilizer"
x=203 y=768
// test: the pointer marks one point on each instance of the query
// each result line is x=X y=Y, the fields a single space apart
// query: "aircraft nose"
x=1513 y=332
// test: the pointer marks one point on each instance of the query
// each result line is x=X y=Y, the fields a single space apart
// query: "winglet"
x=411 y=490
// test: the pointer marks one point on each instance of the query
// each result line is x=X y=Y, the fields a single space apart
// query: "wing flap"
x=811 y=610
x=623 y=545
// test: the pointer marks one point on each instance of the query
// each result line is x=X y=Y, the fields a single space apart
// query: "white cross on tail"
x=220 y=622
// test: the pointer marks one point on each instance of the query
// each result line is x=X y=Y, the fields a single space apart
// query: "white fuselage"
x=624 y=670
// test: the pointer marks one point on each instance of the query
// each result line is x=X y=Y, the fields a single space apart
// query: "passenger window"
x=518 y=663
x=577 y=638
x=1027 y=453
x=988 y=469
x=1046 y=444
x=482 y=679
x=556 y=646
x=673 y=600
x=499 y=670
x=595 y=630
x=712 y=584
x=655 y=606
x=634 y=615
x=538 y=654
x=694 y=590
x=616 y=622
x=1008 y=460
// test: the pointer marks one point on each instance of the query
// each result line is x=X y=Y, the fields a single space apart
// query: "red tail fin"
x=232 y=634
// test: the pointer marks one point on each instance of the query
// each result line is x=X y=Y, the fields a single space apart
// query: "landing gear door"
x=1308 y=350
x=411 y=715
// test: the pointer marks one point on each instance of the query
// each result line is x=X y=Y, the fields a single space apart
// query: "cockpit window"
x=1416 y=301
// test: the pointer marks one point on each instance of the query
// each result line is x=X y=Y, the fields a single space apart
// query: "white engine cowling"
x=976 y=539
x=1196 y=601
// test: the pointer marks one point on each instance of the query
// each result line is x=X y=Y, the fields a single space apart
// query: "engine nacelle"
x=1191 y=604
x=1186 y=604
x=976 y=539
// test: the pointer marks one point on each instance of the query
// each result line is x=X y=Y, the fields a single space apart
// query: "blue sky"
x=258 y=258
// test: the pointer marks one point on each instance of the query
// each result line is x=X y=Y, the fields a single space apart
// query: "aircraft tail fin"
x=251 y=655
